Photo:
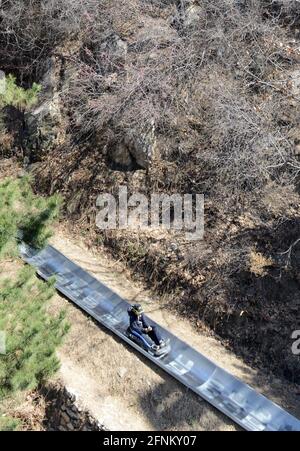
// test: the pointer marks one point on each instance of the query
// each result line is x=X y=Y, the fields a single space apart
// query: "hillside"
x=170 y=97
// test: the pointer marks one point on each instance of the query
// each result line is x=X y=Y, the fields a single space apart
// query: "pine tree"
x=13 y=95
x=9 y=424
x=32 y=335
x=21 y=212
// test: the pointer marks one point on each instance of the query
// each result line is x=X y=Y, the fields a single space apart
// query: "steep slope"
x=109 y=377
x=177 y=97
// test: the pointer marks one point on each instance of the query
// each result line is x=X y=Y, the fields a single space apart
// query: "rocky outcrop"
x=45 y=129
x=136 y=150
x=142 y=146
x=64 y=412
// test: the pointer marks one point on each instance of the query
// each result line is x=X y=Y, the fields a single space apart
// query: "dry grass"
x=9 y=167
x=259 y=263
x=6 y=142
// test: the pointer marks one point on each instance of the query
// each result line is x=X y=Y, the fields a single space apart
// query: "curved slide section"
x=237 y=400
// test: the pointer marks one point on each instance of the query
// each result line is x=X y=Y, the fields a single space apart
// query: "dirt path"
x=121 y=388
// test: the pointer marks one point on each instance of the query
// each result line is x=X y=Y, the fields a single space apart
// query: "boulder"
x=122 y=372
x=135 y=150
x=43 y=128
x=44 y=125
x=192 y=14
x=142 y=145
x=113 y=44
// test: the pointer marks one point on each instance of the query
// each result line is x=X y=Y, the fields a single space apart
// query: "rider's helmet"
x=137 y=309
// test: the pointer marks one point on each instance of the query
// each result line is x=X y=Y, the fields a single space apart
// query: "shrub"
x=23 y=212
x=258 y=263
x=30 y=30
x=8 y=424
x=14 y=95
x=14 y=101
x=31 y=335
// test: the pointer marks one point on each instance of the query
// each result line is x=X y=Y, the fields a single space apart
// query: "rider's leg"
x=155 y=336
x=143 y=337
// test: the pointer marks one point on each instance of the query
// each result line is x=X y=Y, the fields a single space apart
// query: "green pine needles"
x=32 y=334
x=24 y=214
x=13 y=95
x=9 y=424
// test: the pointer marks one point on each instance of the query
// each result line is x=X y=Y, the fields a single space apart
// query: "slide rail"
x=246 y=407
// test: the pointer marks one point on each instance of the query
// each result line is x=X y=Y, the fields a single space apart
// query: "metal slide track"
x=234 y=398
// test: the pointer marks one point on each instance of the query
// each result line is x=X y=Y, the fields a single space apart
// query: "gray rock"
x=2 y=81
x=73 y=397
x=72 y=414
x=70 y=426
x=121 y=372
x=72 y=207
x=142 y=145
x=64 y=417
x=136 y=148
x=192 y=14
x=44 y=129
x=115 y=45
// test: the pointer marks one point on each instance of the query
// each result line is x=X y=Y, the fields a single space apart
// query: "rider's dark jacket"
x=137 y=323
